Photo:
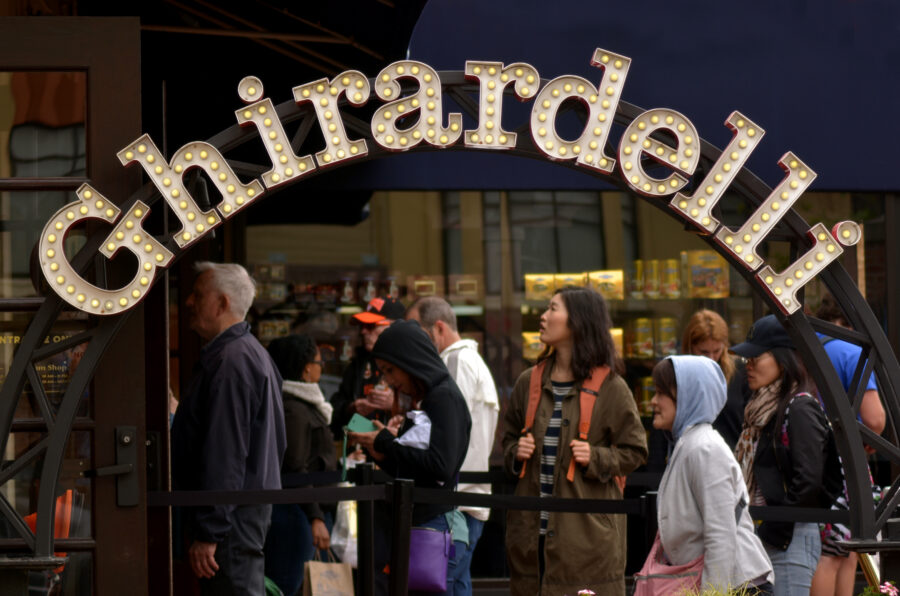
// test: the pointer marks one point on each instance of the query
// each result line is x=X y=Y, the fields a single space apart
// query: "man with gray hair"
x=228 y=433
x=471 y=374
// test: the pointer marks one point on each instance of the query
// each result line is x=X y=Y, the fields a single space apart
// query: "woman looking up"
x=702 y=496
x=555 y=552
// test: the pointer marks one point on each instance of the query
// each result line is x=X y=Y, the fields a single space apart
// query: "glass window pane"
x=23 y=215
x=46 y=130
x=74 y=499
x=53 y=371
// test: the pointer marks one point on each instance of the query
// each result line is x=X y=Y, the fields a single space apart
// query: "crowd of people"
x=743 y=426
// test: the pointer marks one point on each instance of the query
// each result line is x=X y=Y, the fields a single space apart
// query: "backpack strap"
x=534 y=398
x=590 y=390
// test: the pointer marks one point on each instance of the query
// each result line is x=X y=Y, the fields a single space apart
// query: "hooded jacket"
x=405 y=345
x=702 y=496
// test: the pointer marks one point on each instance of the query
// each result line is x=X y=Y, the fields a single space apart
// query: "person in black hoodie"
x=429 y=445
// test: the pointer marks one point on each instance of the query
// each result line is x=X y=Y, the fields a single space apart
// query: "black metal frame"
x=866 y=519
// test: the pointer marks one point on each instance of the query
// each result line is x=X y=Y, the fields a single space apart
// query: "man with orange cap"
x=361 y=391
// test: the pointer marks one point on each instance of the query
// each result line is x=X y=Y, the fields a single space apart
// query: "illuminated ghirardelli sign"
x=638 y=143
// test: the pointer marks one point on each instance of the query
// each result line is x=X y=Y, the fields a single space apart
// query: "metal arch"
x=866 y=520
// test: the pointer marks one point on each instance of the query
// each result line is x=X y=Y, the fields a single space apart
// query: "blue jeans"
x=795 y=566
x=463 y=585
x=289 y=545
x=454 y=566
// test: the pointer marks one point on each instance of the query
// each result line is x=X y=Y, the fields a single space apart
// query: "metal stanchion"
x=401 y=508
x=890 y=559
x=365 y=534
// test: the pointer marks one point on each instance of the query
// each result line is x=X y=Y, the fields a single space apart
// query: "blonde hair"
x=707 y=324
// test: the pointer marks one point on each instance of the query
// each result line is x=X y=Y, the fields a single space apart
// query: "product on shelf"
x=569 y=280
x=531 y=345
x=666 y=333
x=367 y=290
x=609 y=284
x=348 y=291
x=642 y=338
x=539 y=286
x=419 y=286
x=636 y=280
x=651 y=278
x=643 y=394
x=616 y=333
x=670 y=278
x=466 y=289
x=705 y=274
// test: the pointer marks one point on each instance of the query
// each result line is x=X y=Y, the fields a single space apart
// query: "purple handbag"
x=429 y=553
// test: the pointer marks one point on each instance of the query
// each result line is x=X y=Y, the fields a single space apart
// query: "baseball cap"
x=765 y=334
x=381 y=309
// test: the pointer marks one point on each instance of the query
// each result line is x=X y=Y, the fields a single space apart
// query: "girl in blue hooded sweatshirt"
x=702 y=496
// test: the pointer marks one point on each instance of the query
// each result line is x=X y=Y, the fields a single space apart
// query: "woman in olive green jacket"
x=554 y=553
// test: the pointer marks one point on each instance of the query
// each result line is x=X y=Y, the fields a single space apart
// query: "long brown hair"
x=707 y=324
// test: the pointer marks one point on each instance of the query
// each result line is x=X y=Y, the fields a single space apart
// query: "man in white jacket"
x=474 y=379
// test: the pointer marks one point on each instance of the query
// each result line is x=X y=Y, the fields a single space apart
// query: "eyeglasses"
x=752 y=362
x=319 y=362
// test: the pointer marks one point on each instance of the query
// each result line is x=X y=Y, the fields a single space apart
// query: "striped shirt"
x=550 y=449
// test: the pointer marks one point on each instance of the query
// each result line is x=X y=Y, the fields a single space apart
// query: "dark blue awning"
x=820 y=77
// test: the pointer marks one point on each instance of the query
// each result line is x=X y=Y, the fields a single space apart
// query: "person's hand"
x=202 y=556
x=525 y=448
x=381 y=397
x=395 y=424
x=363 y=406
x=581 y=451
x=367 y=440
x=357 y=455
x=321 y=538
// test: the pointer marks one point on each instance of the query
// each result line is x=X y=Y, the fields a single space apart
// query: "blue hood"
x=701 y=391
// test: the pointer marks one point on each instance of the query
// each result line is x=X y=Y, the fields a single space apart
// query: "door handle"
x=125 y=468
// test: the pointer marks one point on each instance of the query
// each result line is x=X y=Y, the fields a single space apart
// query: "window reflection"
x=46 y=133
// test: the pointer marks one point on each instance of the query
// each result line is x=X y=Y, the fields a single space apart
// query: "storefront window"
x=44 y=122
x=22 y=218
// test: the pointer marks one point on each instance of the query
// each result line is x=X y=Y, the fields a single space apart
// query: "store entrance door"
x=69 y=99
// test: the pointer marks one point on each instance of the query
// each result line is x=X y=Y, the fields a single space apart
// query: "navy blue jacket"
x=228 y=433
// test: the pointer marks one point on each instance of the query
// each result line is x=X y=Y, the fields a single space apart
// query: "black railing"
x=374 y=486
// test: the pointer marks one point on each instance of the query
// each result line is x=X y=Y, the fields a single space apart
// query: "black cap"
x=765 y=334
x=381 y=310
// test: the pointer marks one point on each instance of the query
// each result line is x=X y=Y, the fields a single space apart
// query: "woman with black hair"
x=782 y=451
x=554 y=454
x=298 y=530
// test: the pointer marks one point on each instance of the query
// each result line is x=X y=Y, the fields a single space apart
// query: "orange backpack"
x=590 y=390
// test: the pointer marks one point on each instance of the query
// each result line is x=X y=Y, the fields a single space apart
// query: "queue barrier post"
x=890 y=559
x=401 y=509
x=365 y=533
